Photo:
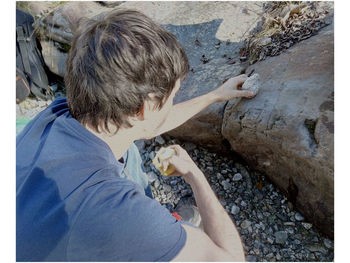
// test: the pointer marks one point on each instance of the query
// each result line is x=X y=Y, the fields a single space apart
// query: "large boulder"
x=287 y=130
x=210 y=33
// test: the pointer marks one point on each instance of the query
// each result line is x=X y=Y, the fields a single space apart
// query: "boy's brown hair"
x=114 y=62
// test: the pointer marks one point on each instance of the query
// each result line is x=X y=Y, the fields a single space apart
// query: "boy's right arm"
x=220 y=240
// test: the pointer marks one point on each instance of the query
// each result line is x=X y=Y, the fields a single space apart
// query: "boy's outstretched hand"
x=232 y=89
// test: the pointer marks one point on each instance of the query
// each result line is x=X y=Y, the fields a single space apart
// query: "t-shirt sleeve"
x=120 y=223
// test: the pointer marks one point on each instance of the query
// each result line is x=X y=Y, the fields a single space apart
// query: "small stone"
x=235 y=210
x=159 y=139
x=251 y=258
x=307 y=226
x=298 y=217
x=316 y=248
x=289 y=223
x=315 y=239
x=278 y=256
x=210 y=169
x=290 y=230
x=189 y=146
x=223 y=203
x=152 y=176
x=156 y=183
x=260 y=216
x=225 y=184
x=140 y=144
x=282 y=217
x=152 y=155
x=166 y=187
x=243 y=203
x=245 y=224
x=328 y=243
x=237 y=177
x=219 y=176
x=297 y=242
x=281 y=237
x=270 y=240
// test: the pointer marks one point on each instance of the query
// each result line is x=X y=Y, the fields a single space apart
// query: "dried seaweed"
x=284 y=24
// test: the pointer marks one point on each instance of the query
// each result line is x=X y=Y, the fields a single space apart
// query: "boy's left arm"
x=183 y=111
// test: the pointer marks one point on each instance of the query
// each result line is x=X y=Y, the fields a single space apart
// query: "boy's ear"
x=147 y=107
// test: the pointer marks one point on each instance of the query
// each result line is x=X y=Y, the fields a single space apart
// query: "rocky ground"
x=270 y=228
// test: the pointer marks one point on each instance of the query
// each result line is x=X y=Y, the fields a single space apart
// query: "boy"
x=81 y=194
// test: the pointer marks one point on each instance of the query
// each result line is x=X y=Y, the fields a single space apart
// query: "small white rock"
x=252 y=83
x=299 y=217
x=235 y=210
x=159 y=139
x=307 y=226
x=237 y=177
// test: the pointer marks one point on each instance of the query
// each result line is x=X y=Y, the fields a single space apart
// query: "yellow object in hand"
x=162 y=155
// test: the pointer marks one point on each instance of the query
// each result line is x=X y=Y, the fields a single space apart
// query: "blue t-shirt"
x=73 y=205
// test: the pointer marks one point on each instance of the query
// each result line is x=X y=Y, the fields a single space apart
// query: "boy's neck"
x=119 y=143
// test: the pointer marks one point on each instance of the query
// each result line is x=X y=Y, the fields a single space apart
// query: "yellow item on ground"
x=162 y=155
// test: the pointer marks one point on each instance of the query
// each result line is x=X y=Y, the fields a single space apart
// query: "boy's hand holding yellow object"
x=175 y=161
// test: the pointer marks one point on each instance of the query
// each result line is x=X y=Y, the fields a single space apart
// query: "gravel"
x=159 y=139
x=270 y=228
x=281 y=237
x=30 y=107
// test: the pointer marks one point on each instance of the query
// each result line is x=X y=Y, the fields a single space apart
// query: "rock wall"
x=287 y=130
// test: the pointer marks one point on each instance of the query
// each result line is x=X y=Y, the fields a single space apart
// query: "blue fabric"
x=76 y=202
x=133 y=169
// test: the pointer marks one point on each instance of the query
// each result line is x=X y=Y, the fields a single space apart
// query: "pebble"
x=270 y=240
x=307 y=226
x=219 y=176
x=244 y=204
x=278 y=256
x=210 y=169
x=235 y=210
x=316 y=248
x=328 y=243
x=159 y=139
x=289 y=223
x=250 y=258
x=245 y=224
x=225 y=184
x=166 y=187
x=298 y=216
x=237 y=177
x=156 y=183
x=152 y=155
x=189 y=146
x=152 y=176
x=265 y=219
x=281 y=237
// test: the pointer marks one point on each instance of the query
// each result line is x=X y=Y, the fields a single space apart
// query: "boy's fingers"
x=165 y=165
x=247 y=93
x=242 y=78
